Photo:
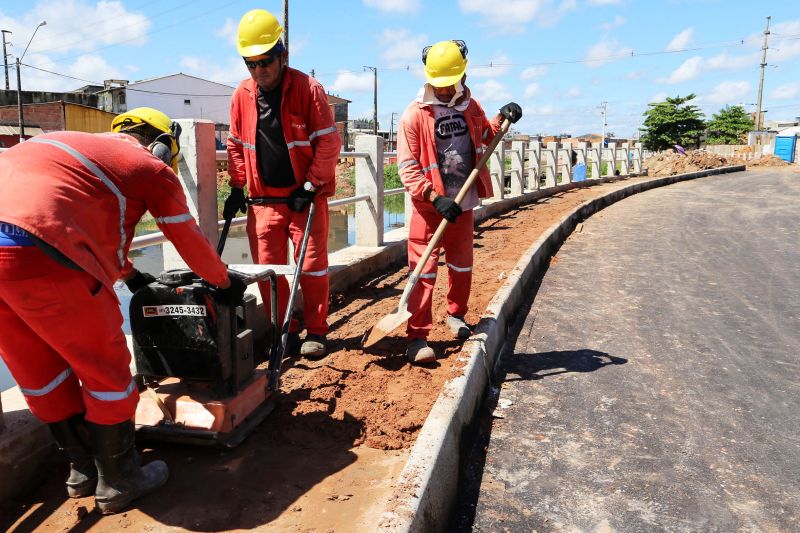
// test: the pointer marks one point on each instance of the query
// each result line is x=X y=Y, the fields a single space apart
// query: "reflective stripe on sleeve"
x=112 y=396
x=459 y=269
x=103 y=178
x=58 y=380
x=239 y=141
x=407 y=163
x=316 y=273
x=175 y=219
x=298 y=143
x=430 y=275
x=323 y=131
x=429 y=168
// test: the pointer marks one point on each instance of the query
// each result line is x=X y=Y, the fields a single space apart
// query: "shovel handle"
x=223 y=236
x=460 y=196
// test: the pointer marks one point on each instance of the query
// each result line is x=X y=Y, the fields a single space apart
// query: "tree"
x=729 y=126
x=672 y=122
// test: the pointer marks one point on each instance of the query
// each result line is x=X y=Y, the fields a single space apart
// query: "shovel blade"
x=386 y=325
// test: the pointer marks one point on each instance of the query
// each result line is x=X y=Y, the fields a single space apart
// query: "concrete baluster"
x=550 y=162
x=369 y=181
x=517 y=164
x=565 y=163
x=534 y=165
x=611 y=158
x=197 y=172
x=637 y=158
x=497 y=168
x=593 y=170
x=624 y=158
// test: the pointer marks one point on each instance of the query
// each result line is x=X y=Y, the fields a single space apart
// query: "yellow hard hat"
x=158 y=120
x=140 y=115
x=445 y=62
x=259 y=30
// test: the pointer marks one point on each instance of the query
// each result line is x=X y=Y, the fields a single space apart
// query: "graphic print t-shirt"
x=454 y=153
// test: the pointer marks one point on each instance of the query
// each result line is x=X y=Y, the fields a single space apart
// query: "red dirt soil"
x=325 y=459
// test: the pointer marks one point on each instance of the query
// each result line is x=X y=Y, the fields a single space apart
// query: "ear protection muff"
x=166 y=147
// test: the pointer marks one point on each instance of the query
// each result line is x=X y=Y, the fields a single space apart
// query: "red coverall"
x=314 y=146
x=418 y=167
x=61 y=329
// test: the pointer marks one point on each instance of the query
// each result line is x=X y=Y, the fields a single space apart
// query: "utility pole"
x=5 y=56
x=286 y=25
x=391 y=133
x=19 y=105
x=375 y=104
x=759 y=125
x=312 y=73
x=604 y=106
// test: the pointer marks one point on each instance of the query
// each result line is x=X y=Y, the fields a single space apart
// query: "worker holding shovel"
x=440 y=141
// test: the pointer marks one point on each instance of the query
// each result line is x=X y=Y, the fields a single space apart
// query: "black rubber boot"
x=121 y=479
x=72 y=438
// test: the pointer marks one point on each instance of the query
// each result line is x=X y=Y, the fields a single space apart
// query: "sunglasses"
x=462 y=47
x=263 y=63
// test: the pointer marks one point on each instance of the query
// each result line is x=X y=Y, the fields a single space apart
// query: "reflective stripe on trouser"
x=457 y=244
x=61 y=338
x=269 y=227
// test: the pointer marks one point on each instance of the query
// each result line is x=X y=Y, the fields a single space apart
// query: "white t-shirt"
x=454 y=153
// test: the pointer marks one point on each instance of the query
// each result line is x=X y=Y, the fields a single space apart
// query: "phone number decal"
x=174 y=310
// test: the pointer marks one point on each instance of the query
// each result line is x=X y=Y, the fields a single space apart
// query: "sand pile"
x=669 y=163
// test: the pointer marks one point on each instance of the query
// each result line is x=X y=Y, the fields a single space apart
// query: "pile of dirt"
x=768 y=160
x=669 y=163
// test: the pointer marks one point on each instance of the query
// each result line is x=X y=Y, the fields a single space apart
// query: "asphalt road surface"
x=654 y=383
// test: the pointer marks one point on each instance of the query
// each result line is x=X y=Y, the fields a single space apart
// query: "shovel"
x=392 y=321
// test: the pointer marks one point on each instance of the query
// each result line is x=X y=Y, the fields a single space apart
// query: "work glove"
x=511 y=111
x=235 y=292
x=139 y=281
x=235 y=202
x=300 y=198
x=447 y=207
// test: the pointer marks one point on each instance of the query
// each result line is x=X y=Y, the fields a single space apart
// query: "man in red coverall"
x=283 y=144
x=440 y=139
x=68 y=210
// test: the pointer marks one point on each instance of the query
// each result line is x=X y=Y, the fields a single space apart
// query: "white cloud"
x=681 y=41
x=229 y=73
x=499 y=65
x=728 y=92
x=658 y=97
x=533 y=72
x=401 y=47
x=724 y=61
x=574 y=92
x=786 y=91
x=394 y=6
x=491 y=91
x=298 y=44
x=604 y=2
x=511 y=15
x=77 y=25
x=636 y=75
x=531 y=90
x=542 y=110
x=228 y=31
x=605 y=51
x=549 y=16
x=616 y=23
x=351 y=82
x=689 y=70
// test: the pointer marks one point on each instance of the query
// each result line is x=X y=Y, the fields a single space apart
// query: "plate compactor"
x=200 y=363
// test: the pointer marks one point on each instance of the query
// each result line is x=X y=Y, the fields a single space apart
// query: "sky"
x=559 y=59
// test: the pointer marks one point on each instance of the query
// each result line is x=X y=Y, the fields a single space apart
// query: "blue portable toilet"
x=784 y=148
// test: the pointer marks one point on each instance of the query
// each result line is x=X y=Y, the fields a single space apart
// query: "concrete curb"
x=426 y=489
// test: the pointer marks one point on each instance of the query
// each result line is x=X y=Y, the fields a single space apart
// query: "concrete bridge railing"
x=516 y=167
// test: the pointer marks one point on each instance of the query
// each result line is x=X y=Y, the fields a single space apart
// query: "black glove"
x=300 y=198
x=139 y=281
x=447 y=207
x=511 y=111
x=233 y=294
x=235 y=202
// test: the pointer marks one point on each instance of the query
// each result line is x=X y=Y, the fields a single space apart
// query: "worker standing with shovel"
x=440 y=143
